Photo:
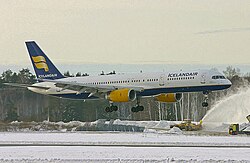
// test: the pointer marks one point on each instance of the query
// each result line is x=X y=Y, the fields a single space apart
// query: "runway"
x=120 y=154
x=121 y=147
x=121 y=144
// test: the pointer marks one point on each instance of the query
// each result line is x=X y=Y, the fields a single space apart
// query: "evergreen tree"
x=67 y=74
x=230 y=72
x=25 y=76
x=11 y=115
x=78 y=74
x=7 y=76
x=70 y=113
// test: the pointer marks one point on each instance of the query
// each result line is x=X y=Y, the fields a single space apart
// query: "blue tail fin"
x=43 y=67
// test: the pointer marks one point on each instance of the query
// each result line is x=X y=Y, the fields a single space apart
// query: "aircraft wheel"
x=140 y=108
x=114 y=108
x=108 y=109
x=204 y=104
x=133 y=109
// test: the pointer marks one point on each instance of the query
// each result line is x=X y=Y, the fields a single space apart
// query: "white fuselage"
x=152 y=83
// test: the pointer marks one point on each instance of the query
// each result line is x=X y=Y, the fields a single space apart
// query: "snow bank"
x=112 y=125
x=98 y=125
x=175 y=130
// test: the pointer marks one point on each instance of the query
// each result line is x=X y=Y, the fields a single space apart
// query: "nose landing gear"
x=205 y=103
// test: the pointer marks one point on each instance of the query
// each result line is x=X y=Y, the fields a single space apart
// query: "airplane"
x=163 y=86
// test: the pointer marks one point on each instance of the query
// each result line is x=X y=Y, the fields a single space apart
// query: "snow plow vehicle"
x=188 y=125
x=234 y=129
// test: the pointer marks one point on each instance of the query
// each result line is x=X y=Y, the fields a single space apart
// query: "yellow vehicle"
x=234 y=129
x=188 y=125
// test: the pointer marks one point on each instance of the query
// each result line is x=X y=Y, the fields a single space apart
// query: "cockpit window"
x=218 y=77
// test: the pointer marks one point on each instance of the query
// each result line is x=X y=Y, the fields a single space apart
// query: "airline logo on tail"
x=40 y=63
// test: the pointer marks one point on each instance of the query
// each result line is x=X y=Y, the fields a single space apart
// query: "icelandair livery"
x=162 y=86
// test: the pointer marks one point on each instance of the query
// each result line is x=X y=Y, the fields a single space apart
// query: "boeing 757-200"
x=162 y=86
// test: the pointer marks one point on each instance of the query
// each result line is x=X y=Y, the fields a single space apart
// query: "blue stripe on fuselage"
x=152 y=92
x=81 y=96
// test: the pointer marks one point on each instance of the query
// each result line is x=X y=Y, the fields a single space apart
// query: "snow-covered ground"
x=103 y=138
x=100 y=147
x=122 y=154
x=61 y=142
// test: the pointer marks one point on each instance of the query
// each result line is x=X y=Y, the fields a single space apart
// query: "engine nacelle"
x=121 y=95
x=168 y=97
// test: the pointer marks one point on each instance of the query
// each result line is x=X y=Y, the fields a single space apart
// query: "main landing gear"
x=111 y=108
x=134 y=109
x=137 y=108
x=205 y=103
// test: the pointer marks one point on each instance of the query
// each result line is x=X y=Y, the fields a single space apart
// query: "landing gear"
x=111 y=108
x=205 y=103
x=137 y=108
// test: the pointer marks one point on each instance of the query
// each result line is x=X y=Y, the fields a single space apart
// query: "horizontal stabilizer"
x=26 y=86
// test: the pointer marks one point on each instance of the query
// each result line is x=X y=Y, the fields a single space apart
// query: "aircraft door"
x=203 y=78
x=128 y=81
x=162 y=80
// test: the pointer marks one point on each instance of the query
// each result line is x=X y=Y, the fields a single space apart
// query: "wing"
x=26 y=86
x=90 y=88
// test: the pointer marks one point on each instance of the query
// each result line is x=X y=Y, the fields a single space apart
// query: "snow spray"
x=232 y=109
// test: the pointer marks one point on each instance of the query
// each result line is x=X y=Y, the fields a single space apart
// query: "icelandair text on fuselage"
x=183 y=74
x=48 y=76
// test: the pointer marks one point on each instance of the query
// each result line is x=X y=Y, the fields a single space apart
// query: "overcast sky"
x=138 y=32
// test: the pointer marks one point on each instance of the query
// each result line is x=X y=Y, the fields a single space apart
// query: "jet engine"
x=121 y=95
x=168 y=97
